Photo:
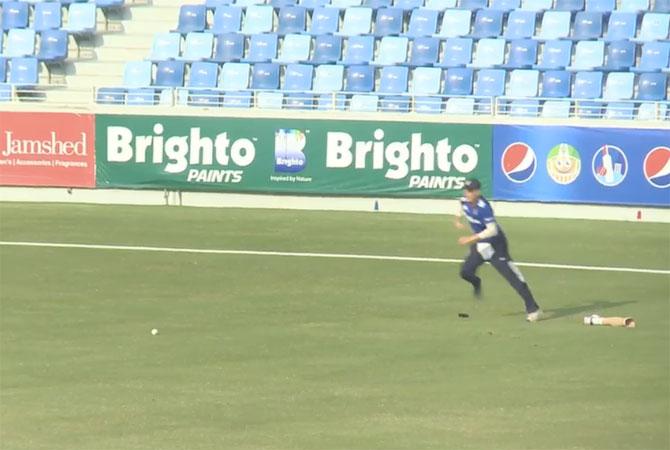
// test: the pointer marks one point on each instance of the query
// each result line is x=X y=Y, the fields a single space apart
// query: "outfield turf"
x=272 y=352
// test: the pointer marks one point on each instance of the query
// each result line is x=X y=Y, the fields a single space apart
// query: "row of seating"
x=78 y=18
x=51 y=47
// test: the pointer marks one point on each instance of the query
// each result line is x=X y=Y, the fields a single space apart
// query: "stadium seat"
x=109 y=4
x=587 y=85
x=524 y=108
x=426 y=80
x=328 y=78
x=440 y=5
x=299 y=101
x=198 y=46
x=298 y=77
x=394 y=103
x=620 y=55
x=662 y=6
x=283 y=3
x=234 y=76
x=388 y=22
x=295 y=48
x=47 y=16
x=20 y=42
x=488 y=23
x=455 y=23
x=424 y=51
x=556 y=84
x=408 y=5
x=489 y=53
x=523 y=83
x=473 y=4
x=229 y=48
x=458 y=81
x=110 y=96
x=490 y=83
x=227 y=19
x=363 y=103
x=520 y=25
x=169 y=74
x=619 y=111
x=325 y=21
x=457 y=52
x=522 y=54
x=356 y=21
x=204 y=97
x=652 y=87
x=23 y=71
x=137 y=74
x=327 y=49
x=428 y=104
x=360 y=78
x=265 y=76
x=247 y=3
x=141 y=97
x=655 y=57
x=258 y=19
x=81 y=19
x=392 y=50
x=505 y=5
x=344 y=4
x=589 y=109
x=3 y=69
x=537 y=5
x=329 y=102
x=165 y=46
x=652 y=111
x=556 y=109
x=312 y=4
x=393 y=80
x=213 y=4
x=236 y=99
x=191 y=18
x=53 y=46
x=588 y=25
x=555 y=55
x=588 y=55
x=621 y=26
x=602 y=6
x=634 y=5
x=460 y=106
x=292 y=19
x=655 y=27
x=360 y=50
x=555 y=25
x=423 y=22
x=269 y=100
x=569 y=5
x=377 y=4
x=203 y=75
x=619 y=86
x=15 y=15
x=262 y=48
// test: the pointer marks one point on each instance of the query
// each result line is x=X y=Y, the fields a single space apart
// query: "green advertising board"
x=293 y=156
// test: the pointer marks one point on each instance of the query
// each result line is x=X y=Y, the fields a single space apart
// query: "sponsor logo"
x=564 y=163
x=289 y=145
x=518 y=162
x=657 y=167
x=609 y=165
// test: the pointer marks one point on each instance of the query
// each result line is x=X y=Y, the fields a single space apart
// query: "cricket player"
x=489 y=244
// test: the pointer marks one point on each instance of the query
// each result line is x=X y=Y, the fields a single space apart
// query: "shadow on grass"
x=590 y=308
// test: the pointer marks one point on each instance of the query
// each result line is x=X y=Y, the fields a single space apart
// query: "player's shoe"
x=534 y=316
x=477 y=291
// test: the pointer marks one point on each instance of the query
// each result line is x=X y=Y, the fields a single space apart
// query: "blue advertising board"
x=581 y=165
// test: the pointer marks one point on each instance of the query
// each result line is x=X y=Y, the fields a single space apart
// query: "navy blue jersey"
x=479 y=215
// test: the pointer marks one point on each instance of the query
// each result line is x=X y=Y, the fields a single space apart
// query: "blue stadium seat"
x=292 y=19
x=363 y=103
x=394 y=103
x=53 y=46
x=234 y=76
x=619 y=111
x=325 y=21
x=388 y=22
x=621 y=26
x=192 y=18
x=555 y=25
x=537 y=5
x=203 y=75
x=165 y=46
x=458 y=81
x=265 y=76
x=473 y=4
x=655 y=57
x=634 y=5
x=169 y=74
x=603 y=6
x=247 y=3
x=424 y=51
x=523 y=83
x=569 y=5
x=587 y=85
x=15 y=15
x=229 y=47
x=652 y=87
x=298 y=77
x=328 y=78
x=408 y=5
x=589 y=109
x=489 y=53
x=295 y=48
x=47 y=16
x=555 y=55
x=344 y=4
x=662 y=6
x=23 y=71
x=457 y=52
x=428 y=104
x=20 y=42
x=655 y=27
x=3 y=69
x=522 y=54
x=233 y=99
x=258 y=19
x=360 y=50
x=227 y=19
x=524 y=108
x=392 y=50
x=109 y=4
x=426 y=80
x=455 y=23
x=137 y=74
x=356 y=21
x=393 y=80
x=283 y=3
x=327 y=49
x=376 y=4
x=520 y=25
x=360 y=78
x=299 y=101
x=588 y=55
x=213 y=4
x=488 y=23
x=620 y=55
x=204 y=97
x=262 y=48
x=423 y=22
x=110 y=96
x=269 y=100
x=619 y=86
x=81 y=19
x=460 y=106
x=588 y=25
x=440 y=5
x=490 y=83
x=505 y=5
x=312 y=4
x=329 y=102
x=198 y=46
x=556 y=109
x=141 y=97
x=556 y=84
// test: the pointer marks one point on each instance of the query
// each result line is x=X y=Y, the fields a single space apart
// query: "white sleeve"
x=490 y=231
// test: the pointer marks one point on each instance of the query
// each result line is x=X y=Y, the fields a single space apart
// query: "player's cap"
x=472 y=184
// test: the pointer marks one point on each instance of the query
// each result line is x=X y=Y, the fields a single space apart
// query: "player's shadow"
x=591 y=308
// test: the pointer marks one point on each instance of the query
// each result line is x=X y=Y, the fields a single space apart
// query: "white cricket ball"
x=154 y=331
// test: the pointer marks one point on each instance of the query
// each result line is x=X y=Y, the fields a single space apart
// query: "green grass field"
x=272 y=352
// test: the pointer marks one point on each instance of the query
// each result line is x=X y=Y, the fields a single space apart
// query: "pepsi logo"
x=657 y=167
x=519 y=162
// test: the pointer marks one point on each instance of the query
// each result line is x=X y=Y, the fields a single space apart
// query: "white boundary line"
x=315 y=255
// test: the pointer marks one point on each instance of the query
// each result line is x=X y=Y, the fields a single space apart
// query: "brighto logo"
x=289 y=145
x=178 y=153
x=398 y=159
